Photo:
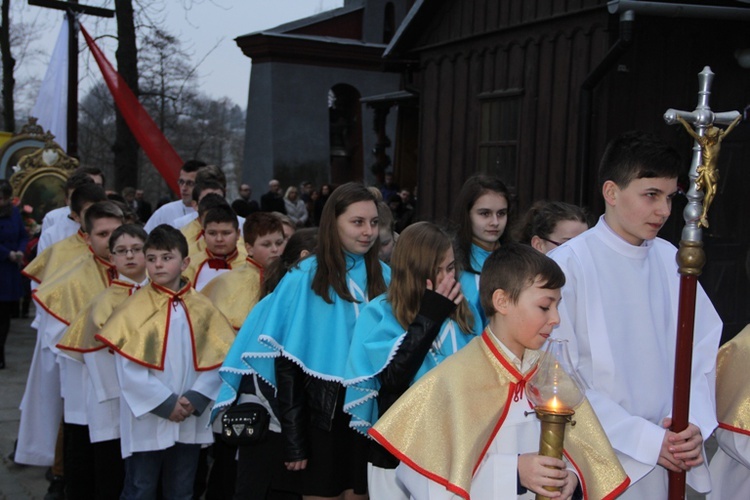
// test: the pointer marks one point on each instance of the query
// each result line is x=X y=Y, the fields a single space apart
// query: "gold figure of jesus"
x=708 y=174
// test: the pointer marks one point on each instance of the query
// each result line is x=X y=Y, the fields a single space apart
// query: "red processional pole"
x=690 y=256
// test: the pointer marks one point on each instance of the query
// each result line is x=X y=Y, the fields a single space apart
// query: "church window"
x=499 y=134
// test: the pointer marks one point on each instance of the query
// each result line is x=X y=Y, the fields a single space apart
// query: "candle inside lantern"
x=554 y=404
x=554 y=390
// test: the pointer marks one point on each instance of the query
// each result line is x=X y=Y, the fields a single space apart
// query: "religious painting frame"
x=39 y=179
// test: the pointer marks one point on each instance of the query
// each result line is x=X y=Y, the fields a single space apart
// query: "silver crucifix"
x=707 y=142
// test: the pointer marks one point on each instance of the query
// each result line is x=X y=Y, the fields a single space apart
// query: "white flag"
x=51 y=107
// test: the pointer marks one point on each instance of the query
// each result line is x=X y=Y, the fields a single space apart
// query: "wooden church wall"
x=543 y=66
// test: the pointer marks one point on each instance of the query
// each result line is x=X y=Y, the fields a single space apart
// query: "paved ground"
x=16 y=481
x=23 y=482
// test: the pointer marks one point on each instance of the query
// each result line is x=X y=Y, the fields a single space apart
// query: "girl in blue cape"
x=299 y=340
x=480 y=216
x=260 y=471
x=402 y=334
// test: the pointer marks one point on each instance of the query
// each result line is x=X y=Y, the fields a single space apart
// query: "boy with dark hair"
x=61 y=299
x=463 y=430
x=169 y=212
x=60 y=218
x=194 y=231
x=236 y=293
x=165 y=385
x=221 y=233
x=102 y=392
x=619 y=315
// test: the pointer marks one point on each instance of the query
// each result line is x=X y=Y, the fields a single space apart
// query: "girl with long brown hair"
x=422 y=319
x=300 y=345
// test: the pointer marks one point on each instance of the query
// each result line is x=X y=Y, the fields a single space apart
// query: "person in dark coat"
x=273 y=200
x=13 y=239
x=244 y=206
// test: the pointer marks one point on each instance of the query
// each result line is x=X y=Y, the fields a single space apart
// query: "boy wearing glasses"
x=102 y=393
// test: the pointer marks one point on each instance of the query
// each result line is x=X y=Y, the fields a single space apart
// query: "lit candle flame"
x=555 y=404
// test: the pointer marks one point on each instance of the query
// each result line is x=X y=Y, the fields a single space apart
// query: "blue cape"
x=470 y=281
x=296 y=323
x=377 y=338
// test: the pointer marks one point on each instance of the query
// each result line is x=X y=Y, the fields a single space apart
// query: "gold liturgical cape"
x=236 y=293
x=732 y=387
x=79 y=337
x=193 y=232
x=67 y=294
x=443 y=425
x=138 y=330
x=57 y=258
x=234 y=261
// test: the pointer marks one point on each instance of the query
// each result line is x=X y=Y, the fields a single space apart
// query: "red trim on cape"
x=227 y=258
x=506 y=364
x=78 y=349
x=433 y=477
x=47 y=309
x=732 y=428
x=612 y=494
x=29 y=276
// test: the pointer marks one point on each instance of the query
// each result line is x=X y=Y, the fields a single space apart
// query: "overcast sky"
x=200 y=24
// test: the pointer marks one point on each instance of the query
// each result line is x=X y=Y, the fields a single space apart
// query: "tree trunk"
x=126 y=147
x=8 y=65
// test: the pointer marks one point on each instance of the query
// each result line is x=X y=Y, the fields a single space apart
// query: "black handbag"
x=244 y=424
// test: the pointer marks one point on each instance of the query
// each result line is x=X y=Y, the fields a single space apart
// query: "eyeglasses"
x=557 y=244
x=183 y=182
x=121 y=252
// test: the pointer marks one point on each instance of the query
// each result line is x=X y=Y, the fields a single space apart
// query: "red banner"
x=154 y=144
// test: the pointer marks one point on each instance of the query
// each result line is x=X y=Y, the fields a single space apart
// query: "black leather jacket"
x=396 y=378
x=303 y=400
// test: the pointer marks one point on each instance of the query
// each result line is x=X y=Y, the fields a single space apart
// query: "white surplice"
x=167 y=214
x=730 y=467
x=619 y=315
x=204 y=274
x=144 y=389
x=102 y=391
x=59 y=227
x=41 y=405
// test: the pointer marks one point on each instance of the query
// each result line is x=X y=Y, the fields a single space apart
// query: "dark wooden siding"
x=548 y=66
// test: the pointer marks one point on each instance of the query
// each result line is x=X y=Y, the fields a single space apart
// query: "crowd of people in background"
x=322 y=319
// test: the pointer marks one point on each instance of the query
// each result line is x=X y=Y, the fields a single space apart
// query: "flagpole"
x=72 y=134
x=690 y=257
x=71 y=8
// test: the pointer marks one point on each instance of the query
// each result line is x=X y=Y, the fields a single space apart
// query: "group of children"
x=400 y=381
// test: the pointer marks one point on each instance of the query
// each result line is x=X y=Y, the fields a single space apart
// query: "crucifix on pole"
x=71 y=8
x=690 y=256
